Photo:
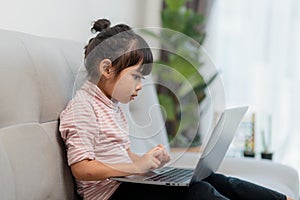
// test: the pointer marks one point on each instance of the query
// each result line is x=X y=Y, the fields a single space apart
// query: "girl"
x=95 y=130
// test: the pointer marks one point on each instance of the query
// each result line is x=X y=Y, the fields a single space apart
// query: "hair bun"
x=100 y=25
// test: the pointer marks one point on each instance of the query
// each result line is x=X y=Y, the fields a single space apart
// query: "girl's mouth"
x=132 y=97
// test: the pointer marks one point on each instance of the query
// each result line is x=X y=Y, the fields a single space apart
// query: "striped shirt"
x=94 y=127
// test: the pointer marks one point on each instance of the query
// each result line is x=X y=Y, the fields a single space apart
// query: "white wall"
x=71 y=19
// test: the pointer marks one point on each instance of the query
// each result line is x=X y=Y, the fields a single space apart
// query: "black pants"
x=216 y=186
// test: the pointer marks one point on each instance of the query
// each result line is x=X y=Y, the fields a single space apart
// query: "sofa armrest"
x=270 y=174
x=279 y=177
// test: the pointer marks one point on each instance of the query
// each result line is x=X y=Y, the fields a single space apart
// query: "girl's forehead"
x=136 y=68
x=140 y=69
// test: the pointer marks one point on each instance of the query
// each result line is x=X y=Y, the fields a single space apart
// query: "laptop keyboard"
x=173 y=175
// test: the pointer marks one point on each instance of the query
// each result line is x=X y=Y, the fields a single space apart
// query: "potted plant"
x=266 y=152
x=181 y=39
x=249 y=148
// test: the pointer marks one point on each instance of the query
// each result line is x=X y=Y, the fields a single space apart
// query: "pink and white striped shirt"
x=94 y=127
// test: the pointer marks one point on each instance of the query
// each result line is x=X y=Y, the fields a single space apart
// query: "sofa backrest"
x=37 y=78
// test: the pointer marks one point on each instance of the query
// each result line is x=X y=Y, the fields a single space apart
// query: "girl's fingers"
x=156 y=162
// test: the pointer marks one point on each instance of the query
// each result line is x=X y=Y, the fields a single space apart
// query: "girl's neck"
x=101 y=85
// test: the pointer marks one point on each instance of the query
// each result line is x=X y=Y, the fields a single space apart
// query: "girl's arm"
x=92 y=170
x=133 y=156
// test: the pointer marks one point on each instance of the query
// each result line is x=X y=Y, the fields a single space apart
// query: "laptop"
x=211 y=157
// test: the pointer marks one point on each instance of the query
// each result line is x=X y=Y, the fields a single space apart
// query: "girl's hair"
x=120 y=44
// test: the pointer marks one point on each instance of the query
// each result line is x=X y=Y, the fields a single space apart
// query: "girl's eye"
x=138 y=77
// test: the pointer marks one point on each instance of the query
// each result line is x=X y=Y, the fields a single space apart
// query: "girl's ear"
x=105 y=68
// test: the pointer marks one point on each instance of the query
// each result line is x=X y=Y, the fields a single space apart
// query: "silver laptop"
x=211 y=157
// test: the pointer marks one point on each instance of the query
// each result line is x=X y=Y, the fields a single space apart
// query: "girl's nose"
x=139 y=86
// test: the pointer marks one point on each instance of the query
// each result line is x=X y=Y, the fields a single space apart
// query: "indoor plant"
x=266 y=152
x=181 y=82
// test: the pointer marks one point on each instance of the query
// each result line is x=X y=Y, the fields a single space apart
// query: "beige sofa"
x=37 y=78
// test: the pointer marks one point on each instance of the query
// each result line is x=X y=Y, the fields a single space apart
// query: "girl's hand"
x=164 y=157
x=149 y=160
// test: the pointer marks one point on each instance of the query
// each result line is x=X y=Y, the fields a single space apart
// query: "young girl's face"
x=126 y=85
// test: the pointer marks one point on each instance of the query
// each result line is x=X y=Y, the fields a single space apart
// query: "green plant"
x=266 y=138
x=265 y=143
x=181 y=41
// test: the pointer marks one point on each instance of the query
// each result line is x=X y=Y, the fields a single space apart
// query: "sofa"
x=38 y=76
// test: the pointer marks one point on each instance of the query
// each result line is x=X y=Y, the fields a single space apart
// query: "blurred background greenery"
x=181 y=39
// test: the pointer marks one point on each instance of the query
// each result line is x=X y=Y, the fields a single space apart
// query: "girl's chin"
x=124 y=101
x=127 y=100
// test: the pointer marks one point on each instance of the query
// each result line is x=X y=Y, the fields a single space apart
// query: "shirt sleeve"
x=78 y=128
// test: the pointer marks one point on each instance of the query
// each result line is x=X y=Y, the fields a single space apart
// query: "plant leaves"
x=175 y=4
x=168 y=105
